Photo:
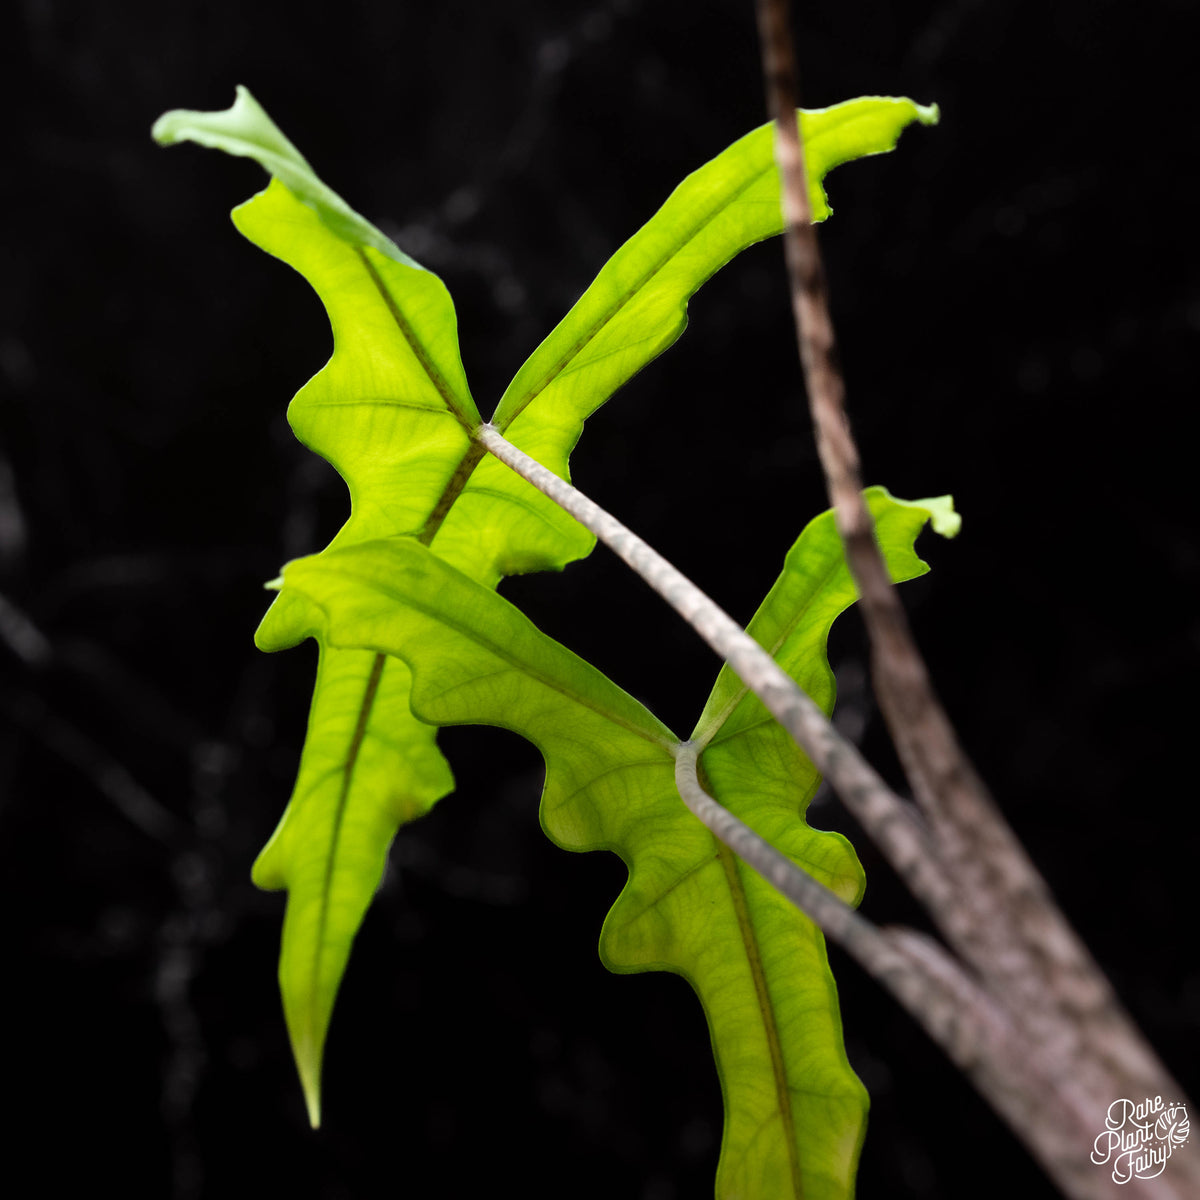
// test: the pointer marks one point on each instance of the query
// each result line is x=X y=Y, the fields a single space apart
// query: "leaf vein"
x=356 y=741
x=414 y=343
x=766 y=1008
x=597 y=327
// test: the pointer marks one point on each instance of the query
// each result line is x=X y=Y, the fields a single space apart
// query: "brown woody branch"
x=1081 y=1051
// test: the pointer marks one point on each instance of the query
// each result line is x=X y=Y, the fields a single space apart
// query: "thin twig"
x=823 y=907
x=914 y=717
x=110 y=778
x=1026 y=955
x=957 y=1013
x=929 y=984
x=1039 y=1077
x=932 y=986
x=894 y=825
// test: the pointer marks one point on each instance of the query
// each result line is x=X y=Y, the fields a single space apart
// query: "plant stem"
x=821 y=905
x=894 y=825
x=951 y=1006
x=1002 y=918
x=975 y=846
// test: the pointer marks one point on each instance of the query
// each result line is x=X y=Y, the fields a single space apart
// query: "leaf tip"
x=166 y=130
x=307 y=1053
x=942 y=517
x=928 y=114
x=312 y=1102
x=274 y=585
x=176 y=125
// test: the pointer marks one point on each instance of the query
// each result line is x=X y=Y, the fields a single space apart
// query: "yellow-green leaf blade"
x=367 y=769
x=637 y=306
x=759 y=774
x=393 y=413
x=245 y=130
x=794 y=1109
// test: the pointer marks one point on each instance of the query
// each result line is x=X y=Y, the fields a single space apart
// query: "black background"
x=1018 y=310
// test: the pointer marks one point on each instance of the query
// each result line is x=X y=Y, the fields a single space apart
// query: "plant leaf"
x=794 y=1109
x=393 y=413
x=637 y=306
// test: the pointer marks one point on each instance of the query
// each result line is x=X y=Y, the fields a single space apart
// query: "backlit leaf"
x=392 y=411
x=794 y=1109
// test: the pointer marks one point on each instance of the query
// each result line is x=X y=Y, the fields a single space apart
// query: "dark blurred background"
x=1018 y=309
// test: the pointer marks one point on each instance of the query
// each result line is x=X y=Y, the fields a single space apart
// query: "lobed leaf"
x=393 y=413
x=637 y=306
x=795 y=1111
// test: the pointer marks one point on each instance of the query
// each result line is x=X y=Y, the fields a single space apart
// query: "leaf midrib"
x=347 y=772
x=669 y=742
x=447 y=393
x=611 y=314
x=445 y=502
x=766 y=1007
x=590 y=334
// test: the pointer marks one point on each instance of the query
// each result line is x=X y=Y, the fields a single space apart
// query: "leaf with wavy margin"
x=795 y=1111
x=393 y=413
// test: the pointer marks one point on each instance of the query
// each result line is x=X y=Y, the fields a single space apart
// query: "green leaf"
x=794 y=1109
x=244 y=129
x=393 y=413
x=637 y=305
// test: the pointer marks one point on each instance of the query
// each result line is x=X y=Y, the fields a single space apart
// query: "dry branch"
x=1077 y=1049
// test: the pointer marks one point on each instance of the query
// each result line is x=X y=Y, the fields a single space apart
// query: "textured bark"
x=1069 y=1049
